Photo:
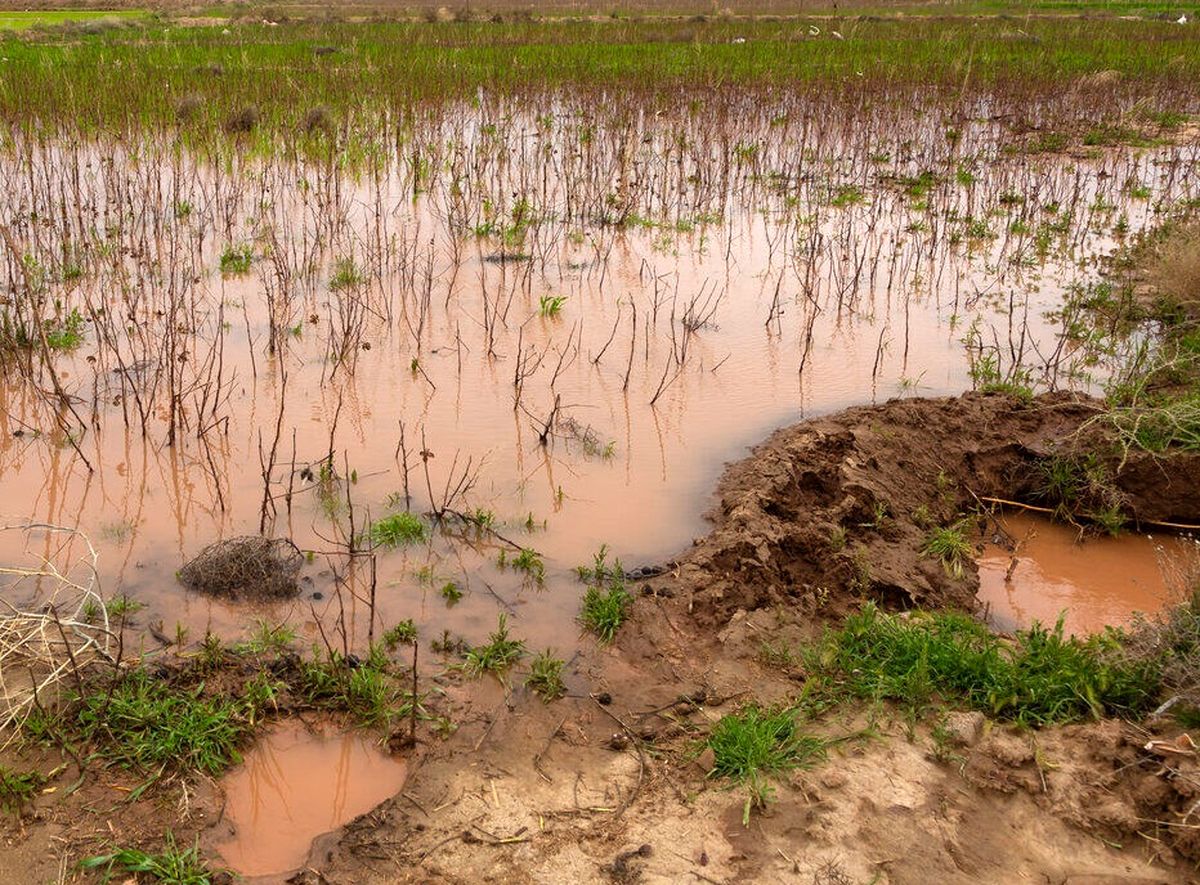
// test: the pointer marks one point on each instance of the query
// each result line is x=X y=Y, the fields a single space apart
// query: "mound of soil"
x=836 y=510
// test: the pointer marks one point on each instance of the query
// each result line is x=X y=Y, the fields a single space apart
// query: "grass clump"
x=1078 y=486
x=404 y=633
x=551 y=305
x=949 y=545
x=604 y=611
x=1040 y=677
x=606 y=601
x=346 y=275
x=545 y=676
x=147 y=723
x=397 y=530
x=66 y=334
x=500 y=653
x=528 y=561
x=173 y=866
x=236 y=259
x=268 y=638
x=17 y=788
x=362 y=688
x=450 y=592
x=120 y=607
x=755 y=742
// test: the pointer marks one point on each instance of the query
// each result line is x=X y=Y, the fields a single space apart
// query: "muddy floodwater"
x=1093 y=583
x=296 y=784
x=569 y=333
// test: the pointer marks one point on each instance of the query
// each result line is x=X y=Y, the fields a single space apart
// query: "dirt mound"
x=836 y=510
x=251 y=567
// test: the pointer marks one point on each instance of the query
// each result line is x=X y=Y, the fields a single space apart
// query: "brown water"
x=1095 y=582
x=295 y=785
x=758 y=301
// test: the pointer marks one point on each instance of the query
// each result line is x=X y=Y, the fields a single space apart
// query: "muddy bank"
x=834 y=511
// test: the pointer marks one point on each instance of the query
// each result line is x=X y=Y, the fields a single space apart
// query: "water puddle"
x=296 y=785
x=1097 y=582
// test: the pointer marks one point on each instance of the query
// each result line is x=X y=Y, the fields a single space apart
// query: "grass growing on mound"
x=1040 y=677
x=950 y=546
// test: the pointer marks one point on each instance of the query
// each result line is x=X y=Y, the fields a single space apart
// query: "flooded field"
x=295 y=785
x=1092 y=582
x=530 y=444
x=548 y=330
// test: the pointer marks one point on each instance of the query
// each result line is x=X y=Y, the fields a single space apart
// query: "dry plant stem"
x=44 y=642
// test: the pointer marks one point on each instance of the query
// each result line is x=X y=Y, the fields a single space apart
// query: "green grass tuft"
x=500 y=653
x=545 y=676
x=173 y=866
x=950 y=546
x=755 y=742
x=397 y=530
x=1039 y=678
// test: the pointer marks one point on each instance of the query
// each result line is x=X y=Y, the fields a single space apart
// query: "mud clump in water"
x=834 y=511
x=250 y=567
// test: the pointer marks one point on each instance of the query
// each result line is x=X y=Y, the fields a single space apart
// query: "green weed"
x=756 y=742
x=237 y=259
x=173 y=866
x=604 y=611
x=396 y=530
x=551 y=305
x=1039 y=678
x=404 y=633
x=500 y=653
x=545 y=676
x=149 y=724
x=949 y=545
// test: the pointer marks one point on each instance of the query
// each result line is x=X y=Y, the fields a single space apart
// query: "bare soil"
x=608 y=784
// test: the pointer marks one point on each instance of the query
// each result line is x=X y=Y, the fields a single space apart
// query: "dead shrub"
x=188 y=107
x=247 y=566
x=243 y=121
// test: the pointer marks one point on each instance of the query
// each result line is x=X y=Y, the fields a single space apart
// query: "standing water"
x=1092 y=582
x=295 y=785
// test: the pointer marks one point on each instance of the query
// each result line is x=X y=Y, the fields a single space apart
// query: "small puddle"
x=1098 y=582
x=296 y=785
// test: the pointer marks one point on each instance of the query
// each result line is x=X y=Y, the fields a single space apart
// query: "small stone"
x=706 y=760
x=965 y=728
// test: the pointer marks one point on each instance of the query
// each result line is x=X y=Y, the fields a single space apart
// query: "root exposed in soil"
x=837 y=510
